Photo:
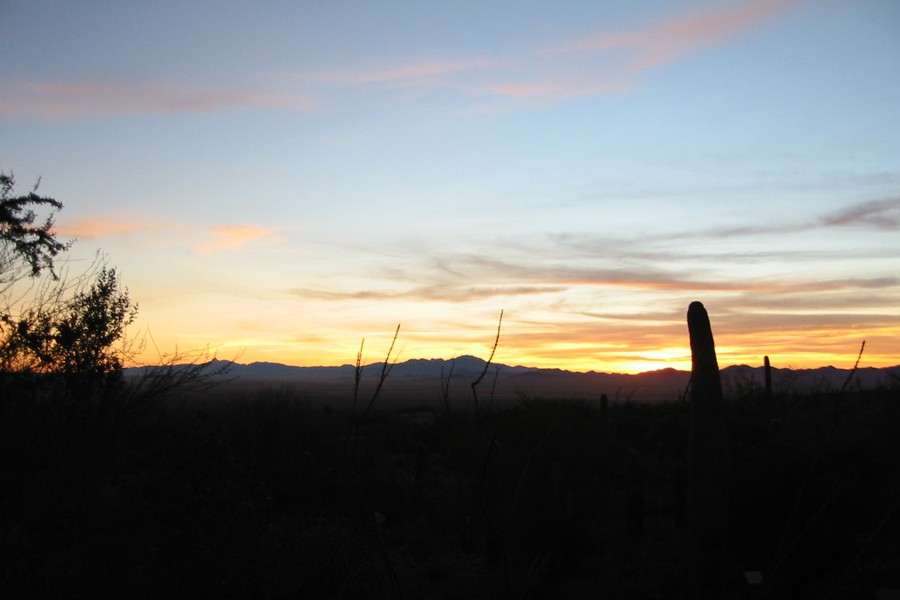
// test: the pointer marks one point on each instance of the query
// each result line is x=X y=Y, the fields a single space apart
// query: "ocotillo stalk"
x=767 y=372
x=707 y=459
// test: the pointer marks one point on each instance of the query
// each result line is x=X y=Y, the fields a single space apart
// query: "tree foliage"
x=75 y=336
x=71 y=326
x=23 y=242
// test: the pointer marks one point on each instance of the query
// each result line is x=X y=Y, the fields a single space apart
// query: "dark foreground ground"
x=274 y=494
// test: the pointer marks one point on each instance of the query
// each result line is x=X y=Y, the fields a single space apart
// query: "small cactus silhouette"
x=707 y=459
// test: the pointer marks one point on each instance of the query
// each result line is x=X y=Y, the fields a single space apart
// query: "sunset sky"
x=279 y=180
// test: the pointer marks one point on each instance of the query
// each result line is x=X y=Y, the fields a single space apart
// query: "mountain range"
x=423 y=375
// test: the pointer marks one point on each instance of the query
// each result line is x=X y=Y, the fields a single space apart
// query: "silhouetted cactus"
x=767 y=373
x=707 y=459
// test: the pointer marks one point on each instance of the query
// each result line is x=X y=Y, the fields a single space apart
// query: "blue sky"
x=283 y=179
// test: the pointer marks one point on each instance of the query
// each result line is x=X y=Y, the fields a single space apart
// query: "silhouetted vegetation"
x=55 y=328
x=22 y=242
x=253 y=495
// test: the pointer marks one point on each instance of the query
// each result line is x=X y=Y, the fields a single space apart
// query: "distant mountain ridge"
x=652 y=385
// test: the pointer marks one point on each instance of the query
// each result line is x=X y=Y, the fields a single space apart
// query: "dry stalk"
x=486 y=367
x=786 y=546
x=350 y=449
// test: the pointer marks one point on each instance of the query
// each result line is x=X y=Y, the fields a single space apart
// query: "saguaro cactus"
x=768 y=396
x=707 y=460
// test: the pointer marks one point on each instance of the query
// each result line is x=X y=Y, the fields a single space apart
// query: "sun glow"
x=330 y=344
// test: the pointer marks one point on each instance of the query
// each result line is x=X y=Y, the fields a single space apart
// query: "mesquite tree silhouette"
x=51 y=322
x=26 y=248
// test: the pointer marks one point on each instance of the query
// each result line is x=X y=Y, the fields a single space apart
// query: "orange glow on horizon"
x=794 y=350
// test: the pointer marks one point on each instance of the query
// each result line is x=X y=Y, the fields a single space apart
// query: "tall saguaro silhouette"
x=707 y=461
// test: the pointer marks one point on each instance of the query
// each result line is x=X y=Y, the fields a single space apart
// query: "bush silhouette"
x=70 y=328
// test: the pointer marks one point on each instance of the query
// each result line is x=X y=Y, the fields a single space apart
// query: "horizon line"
x=215 y=359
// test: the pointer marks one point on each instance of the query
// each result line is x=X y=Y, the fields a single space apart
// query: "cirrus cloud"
x=232 y=237
x=594 y=65
x=98 y=227
x=58 y=99
x=422 y=70
x=673 y=39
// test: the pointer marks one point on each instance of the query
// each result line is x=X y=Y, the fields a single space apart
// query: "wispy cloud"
x=98 y=227
x=424 y=70
x=559 y=89
x=675 y=38
x=602 y=63
x=504 y=271
x=584 y=265
x=437 y=293
x=595 y=65
x=171 y=233
x=557 y=274
x=521 y=77
x=880 y=214
x=883 y=215
x=58 y=99
x=232 y=237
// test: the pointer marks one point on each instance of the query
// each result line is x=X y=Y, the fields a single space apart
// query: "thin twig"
x=494 y=385
x=785 y=547
x=357 y=374
x=445 y=387
x=486 y=366
x=386 y=367
x=352 y=456
x=837 y=401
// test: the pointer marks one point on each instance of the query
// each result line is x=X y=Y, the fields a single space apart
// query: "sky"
x=277 y=181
